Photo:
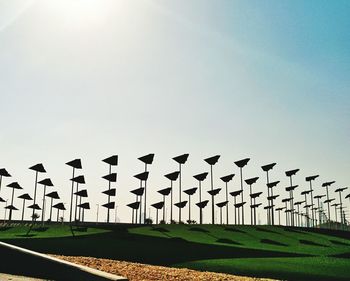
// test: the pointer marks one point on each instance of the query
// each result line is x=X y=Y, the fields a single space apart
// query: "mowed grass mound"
x=261 y=251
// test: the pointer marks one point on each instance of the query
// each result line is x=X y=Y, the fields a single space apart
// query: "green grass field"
x=262 y=251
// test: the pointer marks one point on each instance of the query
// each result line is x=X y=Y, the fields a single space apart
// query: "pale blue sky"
x=262 y=79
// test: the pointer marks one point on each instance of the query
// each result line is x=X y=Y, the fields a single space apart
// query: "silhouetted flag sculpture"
x=138 y=192
x=24 y=197
x=165 y=192
x=318 y=197
x=11 y=207
x=111 y=177
x=342 y=220
x=3 y=173
x=270 y=199
x=78 y=180
x=226 y=180
x=181 y=204
x=250 y=182
x=172 y=177
x=83 y=207
x=270 y=216
x=327 y=185
x=305 y=193
x=147 y=160
x=235 y=194
x=134 y=206
x=298 y=211
x=310 y=179
x=38 y=168
x=143 y=178
x=181 y=159
x=190 y=192
x=212 y=161
x=255 y=206
x=53 y=195
x=82 y=194
x=335 y=205
x=241 y=164
x=279 y=214
x=290 y=174
x=45 y=182
x=75 y=164
x=158 y=206
x=111 y=161
x=200 y=178
x=59 y=207
x=268 y=210
x=213 y=193
x=221 y=205
x=285 y=201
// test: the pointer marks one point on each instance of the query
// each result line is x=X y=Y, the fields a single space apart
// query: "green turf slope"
x=275 y=252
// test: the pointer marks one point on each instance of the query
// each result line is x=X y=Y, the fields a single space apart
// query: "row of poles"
x=139 y=206
x=291 y=208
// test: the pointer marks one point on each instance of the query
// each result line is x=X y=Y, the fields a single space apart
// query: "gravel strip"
x=10 y=277
x=144 y=272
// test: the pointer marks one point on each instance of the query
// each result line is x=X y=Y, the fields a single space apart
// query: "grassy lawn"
x=275 y=252
x=309 y=268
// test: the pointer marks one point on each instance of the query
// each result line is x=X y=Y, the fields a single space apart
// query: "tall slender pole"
x=141 y=204
x=312 y=205
x=212 y=196
x=24 y=201
x=35 y=186
x=200 y=200
x=71 y=198
x=13 y=194
x=43 y=209
x=109 y=197
x=189 y=208
x=251 y=208
x=291 y=202
x=171 y=202
x=268 y=200
x=241 y=171
x=227 y=203
x=145 y=203
x=51 y=208
x=180 y=192
x=164 y=209
x=329 y=210
x=76 y=202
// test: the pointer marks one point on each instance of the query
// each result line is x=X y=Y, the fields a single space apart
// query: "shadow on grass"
x=339 y=243
x=122 y=245
x=232 y=229
x=198 y=229
x=343 y=256
x=295 y=230
x=162 y=230
x=80 y=229
x=266 y=230
x=311 y=243
x=228 y=241
x=272 y=242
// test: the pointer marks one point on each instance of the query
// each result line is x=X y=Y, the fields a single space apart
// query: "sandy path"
x=144 y=272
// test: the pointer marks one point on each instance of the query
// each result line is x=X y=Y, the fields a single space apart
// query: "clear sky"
x=267 y=80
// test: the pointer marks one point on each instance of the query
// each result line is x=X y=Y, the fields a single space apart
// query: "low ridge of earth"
x=145 y=272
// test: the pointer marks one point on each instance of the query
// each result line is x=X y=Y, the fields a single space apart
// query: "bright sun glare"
x=83 y=13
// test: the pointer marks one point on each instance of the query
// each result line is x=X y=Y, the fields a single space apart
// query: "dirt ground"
x=144 y=272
